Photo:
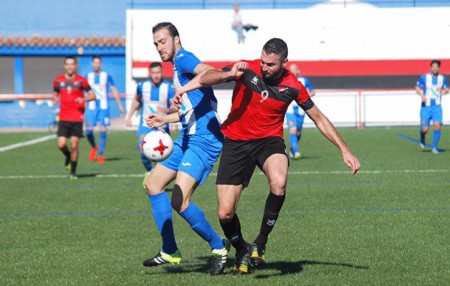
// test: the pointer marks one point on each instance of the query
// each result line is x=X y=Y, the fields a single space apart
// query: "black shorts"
x=239 y=158
x=69 y=129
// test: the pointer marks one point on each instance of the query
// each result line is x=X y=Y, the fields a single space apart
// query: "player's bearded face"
x=156 y=75
x=70 y=66
x=435 y=69
x=164 y=44
x=272 y=66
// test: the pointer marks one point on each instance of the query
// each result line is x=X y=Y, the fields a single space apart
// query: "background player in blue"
x=98 y=111
x=430 y=87
x=153 y=96
x=193 y=156
x=295 y=116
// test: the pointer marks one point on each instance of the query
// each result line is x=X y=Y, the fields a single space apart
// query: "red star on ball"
x=161 y=147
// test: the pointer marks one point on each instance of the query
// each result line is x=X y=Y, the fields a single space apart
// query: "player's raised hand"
x=155 y=120
x=352 y=162
x=177 y=99
x=238 y=69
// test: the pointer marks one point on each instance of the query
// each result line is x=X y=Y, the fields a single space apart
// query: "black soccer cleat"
x=219 y=259
x=257 y=257
x=242 y=261
x=163 y=258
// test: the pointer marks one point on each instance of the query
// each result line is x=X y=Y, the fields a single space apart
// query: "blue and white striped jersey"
x=198 y=110
x=100 y=83
x=432 y=87
x=152 y=96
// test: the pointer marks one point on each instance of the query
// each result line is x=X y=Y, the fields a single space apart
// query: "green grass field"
x=388 y=225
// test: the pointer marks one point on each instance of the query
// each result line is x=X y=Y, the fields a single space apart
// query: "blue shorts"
x=295 y=120
x=428 y=113
x=195 y=155
x=101 y=116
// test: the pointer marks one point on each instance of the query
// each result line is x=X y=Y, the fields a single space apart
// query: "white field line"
x=27 y=143
x=100 y=176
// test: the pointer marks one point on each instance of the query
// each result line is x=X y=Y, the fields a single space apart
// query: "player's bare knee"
x=278 y=186
x=177 y=198
x=225 y=214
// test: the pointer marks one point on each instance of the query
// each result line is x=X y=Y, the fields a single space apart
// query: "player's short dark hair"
x=276 y=46
x=438 y=62
x=155 y=64
x=166 y=25
x=70 y=58
x=96 y=57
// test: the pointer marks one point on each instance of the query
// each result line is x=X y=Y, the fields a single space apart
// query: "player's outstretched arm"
x=134 y=106
x=158 y=120
x=55 y=97
x=117 y=97
x=330 y=132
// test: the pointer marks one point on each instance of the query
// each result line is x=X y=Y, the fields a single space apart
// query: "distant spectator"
x=238 y=25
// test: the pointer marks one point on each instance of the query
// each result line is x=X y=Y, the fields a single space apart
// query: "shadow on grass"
x=286 y=268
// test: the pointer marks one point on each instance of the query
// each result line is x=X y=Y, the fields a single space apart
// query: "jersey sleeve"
x=139 y=90
x=188 y=63
x=421 y=82
x=86 y=85
x=110 y=81
x=55 y=85
x=303 y=99
x=444 y=83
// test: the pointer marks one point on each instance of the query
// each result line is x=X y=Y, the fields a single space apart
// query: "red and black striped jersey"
x=258 y=106
x=69 y=91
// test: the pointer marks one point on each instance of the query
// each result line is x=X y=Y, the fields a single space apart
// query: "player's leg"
x=142 y=131
x=61 y=141
x=425 y=118
x=274 y=162
x=90 y=122
x=104 y=123
x=437 y=125
x=74 y=140
x=155 y=184
x=293 y=139
x=300 y=120
x=235 y=171
x=196 y=165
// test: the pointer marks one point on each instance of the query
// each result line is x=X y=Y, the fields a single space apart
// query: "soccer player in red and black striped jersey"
x=254 y=137
x=68 y=90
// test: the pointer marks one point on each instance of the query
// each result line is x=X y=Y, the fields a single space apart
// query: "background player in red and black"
x=68 y=90
x=254 y=137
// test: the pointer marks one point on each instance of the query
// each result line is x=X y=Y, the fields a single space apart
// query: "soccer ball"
x=157 y=145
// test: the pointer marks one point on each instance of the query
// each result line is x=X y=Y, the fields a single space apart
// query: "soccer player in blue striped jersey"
x=193 y=156
x=295 y=116
x=98 y=111
x=430 y=87
x=153 y=96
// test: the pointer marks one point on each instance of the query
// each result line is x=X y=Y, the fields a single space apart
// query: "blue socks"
x=436 y=137
x=90 y=137
x=102 y=143
x=162 y=213
x=196 y=218
x=293 y=140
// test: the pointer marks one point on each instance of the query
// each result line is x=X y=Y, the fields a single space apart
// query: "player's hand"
x=128 y=122
x=79 y=100
x=177 y=99
x=155 y=120
x=238 y=69
x=352 y=162
x=424 y=99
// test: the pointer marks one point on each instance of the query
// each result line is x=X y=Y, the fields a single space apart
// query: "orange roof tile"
x=53 y=42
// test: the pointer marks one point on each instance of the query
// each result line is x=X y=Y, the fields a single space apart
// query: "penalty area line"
x=27 y=143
